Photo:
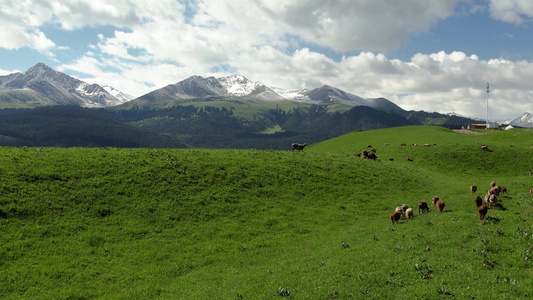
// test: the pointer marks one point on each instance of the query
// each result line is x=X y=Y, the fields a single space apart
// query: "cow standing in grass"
x=299 y=147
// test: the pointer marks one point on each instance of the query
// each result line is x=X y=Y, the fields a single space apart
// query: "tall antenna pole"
x=487 y=116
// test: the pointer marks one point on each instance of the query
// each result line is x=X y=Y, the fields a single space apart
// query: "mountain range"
x=239 y=87
x=43 y=86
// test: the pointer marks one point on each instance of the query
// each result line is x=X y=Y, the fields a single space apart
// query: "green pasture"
x=108 y=223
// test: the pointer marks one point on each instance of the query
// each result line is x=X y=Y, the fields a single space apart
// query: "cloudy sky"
x=432 y=55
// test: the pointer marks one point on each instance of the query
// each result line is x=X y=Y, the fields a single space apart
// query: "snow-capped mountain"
x=122 y=97
x=525 y=120
x=295 y=94
x=43 y=86
x=237 y=86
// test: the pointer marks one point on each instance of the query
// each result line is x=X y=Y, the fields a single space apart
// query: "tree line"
x=195 y=127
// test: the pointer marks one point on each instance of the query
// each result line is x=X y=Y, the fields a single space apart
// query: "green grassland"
x=246 y=109
x=108 y=223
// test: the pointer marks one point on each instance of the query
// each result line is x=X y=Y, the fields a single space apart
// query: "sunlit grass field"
x=107 y=223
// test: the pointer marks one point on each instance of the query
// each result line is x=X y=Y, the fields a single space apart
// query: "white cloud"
x=15 y=37
x=339 y=25
x=157 y=43
x=6 y=72
x=512 y=11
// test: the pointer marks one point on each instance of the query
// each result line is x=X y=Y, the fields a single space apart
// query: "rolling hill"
x=246 y=224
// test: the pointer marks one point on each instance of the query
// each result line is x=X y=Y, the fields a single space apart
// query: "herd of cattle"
x=491 y=199
x=404 y=211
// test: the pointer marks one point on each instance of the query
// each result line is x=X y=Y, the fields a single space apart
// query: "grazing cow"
x=434 y=200
x=491 y=199
x=369 y=155
x=473 y=188
x=531 y=191
x=440 y=205
x=409 y=159
x=299 y=147
x=478 y=201
x=496 y=190
x=423 y=206
x=395 y=216
x=504 y=190
x=482 y=210
x=409 y=213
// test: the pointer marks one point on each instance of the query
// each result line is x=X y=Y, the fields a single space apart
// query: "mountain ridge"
x=525 y=120
x=237 y=86
x=43 y=86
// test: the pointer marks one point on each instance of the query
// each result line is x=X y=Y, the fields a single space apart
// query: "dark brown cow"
x=395 y=216
x=423 y=206
x=473 y=188
x=481 y=208
x=299 y=147
x=478 y=201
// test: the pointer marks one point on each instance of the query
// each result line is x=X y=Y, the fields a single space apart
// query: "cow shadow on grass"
x=499 y=206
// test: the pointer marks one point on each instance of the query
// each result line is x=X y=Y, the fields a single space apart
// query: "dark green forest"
x=196 y=127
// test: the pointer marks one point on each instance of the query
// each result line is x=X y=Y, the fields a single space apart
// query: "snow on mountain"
x=330 y=94
x=122 y=97
x=454 y=114
x=43 y=86
x=296 y=94
x=525 y=120
x=97 y=96
x=238 y=85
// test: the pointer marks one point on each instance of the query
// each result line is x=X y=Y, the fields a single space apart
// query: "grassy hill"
x=108 y=223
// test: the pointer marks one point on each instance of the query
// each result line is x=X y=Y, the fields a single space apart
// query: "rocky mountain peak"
x=238 y=85
x=41 y=69
x=525 y=120
x=43 y=86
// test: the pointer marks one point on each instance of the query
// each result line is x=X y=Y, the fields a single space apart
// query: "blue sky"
x=432 y=55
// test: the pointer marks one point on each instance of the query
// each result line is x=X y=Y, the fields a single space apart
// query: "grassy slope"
x=246 y=109
x=228 y=224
